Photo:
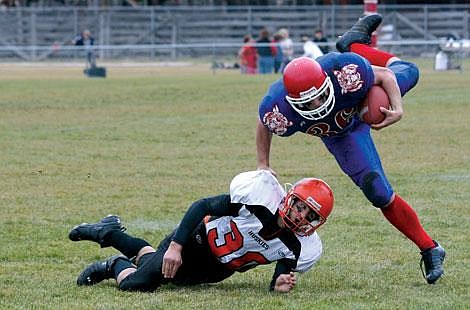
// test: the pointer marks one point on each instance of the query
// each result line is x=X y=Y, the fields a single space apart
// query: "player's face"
x=317 y=102
x=301 y=214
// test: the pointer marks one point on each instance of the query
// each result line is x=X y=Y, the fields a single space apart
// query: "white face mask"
x=325 y=94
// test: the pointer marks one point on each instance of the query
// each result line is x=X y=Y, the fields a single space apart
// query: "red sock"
x=374 y=56
x=400 y=214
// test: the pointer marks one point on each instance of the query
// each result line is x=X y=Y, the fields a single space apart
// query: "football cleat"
x=96 y=232
x=360 y=32
x=98 y=271
x=433 y=259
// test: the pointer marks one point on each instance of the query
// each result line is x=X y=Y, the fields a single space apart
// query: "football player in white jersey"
x=256 y=223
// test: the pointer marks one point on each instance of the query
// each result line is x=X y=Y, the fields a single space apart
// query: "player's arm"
x=386 y=78
x=283 y=279
x=285 y=283
x=263 y=146
x=217 y=206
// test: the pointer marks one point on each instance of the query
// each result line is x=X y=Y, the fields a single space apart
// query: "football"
x=369 y=109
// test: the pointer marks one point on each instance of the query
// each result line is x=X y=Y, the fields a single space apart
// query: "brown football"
x=369 y=109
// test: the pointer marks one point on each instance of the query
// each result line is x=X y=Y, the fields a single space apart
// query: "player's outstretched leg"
x=99 y=271
x=97 y=231
x=360 y=32
x=358 y=38
x=433 y=259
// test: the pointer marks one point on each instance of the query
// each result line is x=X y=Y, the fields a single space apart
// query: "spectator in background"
x=311 y=49
x=4 y=4
x=248 y=56
x=278 y=57
x=265 y=52
x=319 y=38
x=87 y=41
x=287 y=47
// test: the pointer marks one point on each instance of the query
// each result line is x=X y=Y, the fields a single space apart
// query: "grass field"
x=147 y=141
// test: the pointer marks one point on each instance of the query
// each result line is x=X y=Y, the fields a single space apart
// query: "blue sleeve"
x=275 y=113
x=275 y=92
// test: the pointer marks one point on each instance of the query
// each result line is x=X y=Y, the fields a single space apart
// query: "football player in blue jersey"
x=320 y=97
x=256 y=223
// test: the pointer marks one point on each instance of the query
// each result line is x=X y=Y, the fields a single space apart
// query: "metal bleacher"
x=171 y=31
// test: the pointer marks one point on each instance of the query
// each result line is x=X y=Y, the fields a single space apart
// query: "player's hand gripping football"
x=392 y=116
x=386 y=78
x=285 y=282
x=172 y=260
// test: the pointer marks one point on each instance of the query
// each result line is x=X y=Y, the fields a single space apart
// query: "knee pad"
x=377 y=189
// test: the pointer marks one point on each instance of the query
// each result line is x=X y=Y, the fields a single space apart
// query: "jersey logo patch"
x=276 y=121
x=342 y=119
x=349 y=78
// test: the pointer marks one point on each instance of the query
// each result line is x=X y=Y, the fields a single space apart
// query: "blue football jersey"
x=351 y=75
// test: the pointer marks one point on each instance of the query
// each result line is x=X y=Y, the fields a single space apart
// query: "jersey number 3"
x=232 y=242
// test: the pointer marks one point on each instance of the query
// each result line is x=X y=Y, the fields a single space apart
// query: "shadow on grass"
x=220 y=287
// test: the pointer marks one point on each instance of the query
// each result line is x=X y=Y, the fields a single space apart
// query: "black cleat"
x=98 y=271
x=360 y=32
x=96 y=232
x=433 y=259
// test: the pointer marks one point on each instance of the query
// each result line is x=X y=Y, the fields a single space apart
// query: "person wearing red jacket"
x=248 y=56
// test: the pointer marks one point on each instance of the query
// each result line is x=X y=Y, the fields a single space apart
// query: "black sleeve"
x=283 y=266
x=216 y=206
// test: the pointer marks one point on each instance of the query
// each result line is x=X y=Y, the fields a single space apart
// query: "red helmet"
x=310 y=193
x=306 y=81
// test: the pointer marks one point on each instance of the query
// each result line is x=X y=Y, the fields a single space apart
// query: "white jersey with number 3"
x=235 y=240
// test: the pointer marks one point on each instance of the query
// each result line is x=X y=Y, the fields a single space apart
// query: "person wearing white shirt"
x=311 y=49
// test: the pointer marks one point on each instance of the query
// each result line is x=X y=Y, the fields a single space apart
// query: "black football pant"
x=199 y=265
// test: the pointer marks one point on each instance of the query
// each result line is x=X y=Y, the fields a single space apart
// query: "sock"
x=374 y=56
x=119 y=265
x=400 y=214
x=127 y=245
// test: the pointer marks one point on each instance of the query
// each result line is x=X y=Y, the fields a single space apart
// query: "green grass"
x=144 y=143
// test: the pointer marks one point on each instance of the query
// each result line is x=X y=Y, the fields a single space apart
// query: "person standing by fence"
x=311 y=49
x=319 y=38
x=248 y=56
x=87 y=41
x=278 y=57
x=287 y=47
x=265 y=52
